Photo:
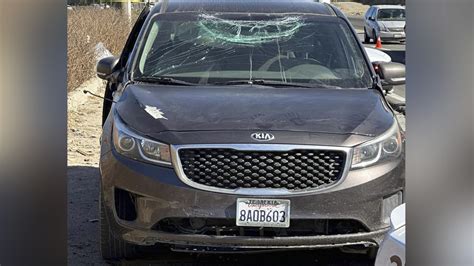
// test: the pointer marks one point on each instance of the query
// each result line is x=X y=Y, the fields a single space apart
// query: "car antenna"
x=98 y=96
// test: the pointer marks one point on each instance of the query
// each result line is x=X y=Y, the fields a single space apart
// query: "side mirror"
x=390 y=73
x=106 y=66
x=372 y=18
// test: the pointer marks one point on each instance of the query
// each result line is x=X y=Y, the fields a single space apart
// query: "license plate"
x=397 y=36
x=263 y=212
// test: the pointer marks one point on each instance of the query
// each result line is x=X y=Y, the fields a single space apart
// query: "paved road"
x=357 y=21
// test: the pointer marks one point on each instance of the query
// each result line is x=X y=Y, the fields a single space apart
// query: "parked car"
x=386 y=22
x=376 y=55
x=243 y=126
x=392 y=249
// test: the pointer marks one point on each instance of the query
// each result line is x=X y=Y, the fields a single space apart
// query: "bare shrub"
x=88 y=26
x=351 y=8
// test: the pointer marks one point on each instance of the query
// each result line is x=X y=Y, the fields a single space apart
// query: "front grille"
x=293 y=170
x=396 y=29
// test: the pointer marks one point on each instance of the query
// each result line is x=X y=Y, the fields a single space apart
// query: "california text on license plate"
x=263 y=212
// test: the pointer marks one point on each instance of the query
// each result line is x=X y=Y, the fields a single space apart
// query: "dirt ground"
x=84 y=129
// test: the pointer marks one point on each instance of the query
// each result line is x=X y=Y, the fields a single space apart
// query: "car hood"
x=393 y=24
x=155 y=109
x=376 y=55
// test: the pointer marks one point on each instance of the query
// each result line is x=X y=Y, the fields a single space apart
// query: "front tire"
x=372 y=253
x=366 y=37
x=112 y=248
x=374 y=36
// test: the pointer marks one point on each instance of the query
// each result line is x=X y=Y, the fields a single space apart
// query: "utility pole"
x=127 y=8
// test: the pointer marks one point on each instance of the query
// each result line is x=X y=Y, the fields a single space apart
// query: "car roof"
x=389 y=6
x=246 y=6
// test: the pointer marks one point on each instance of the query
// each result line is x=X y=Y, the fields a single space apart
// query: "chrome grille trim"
x=396 y=29
x=256 y=147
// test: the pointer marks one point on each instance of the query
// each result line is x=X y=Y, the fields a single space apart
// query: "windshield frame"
x=139 y=45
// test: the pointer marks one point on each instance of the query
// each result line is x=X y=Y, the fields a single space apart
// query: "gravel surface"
x=84 y=129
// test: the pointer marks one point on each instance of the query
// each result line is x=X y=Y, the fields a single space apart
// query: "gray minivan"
x=246 y=125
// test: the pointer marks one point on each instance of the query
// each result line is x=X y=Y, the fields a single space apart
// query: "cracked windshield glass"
x=205 y=49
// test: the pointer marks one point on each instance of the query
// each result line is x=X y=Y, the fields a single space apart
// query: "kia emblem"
x=262 y=136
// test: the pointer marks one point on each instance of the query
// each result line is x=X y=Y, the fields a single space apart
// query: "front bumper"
x=161 y=195
x=388 y=35
x=143 y=237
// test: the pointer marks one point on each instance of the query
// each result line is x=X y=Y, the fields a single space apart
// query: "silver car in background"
x=386 y=22
x=392 y=249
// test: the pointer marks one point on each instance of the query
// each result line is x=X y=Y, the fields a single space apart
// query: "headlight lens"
x=155 y=151
x=385 y=147
x=132 y=145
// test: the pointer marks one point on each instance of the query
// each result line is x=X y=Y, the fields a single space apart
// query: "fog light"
x=390 y=203
x=197 y=223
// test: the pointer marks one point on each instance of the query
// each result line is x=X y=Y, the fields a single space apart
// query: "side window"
x=374 y=13
x=369 y=11
x=132 y=37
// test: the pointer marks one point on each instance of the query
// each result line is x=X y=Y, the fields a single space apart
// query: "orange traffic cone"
x=378 y=44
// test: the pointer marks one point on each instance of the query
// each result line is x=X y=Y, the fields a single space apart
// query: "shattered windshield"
x=211 y=49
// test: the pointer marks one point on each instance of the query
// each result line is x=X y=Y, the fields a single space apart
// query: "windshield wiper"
x=275 y=83
x=164 y=81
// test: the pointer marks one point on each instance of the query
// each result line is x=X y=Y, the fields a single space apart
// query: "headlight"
x=132 y=145
x=385 y=147
x=382 y=27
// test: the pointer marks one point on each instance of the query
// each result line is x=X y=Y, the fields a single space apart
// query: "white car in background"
x=379 y=57
x=392 y=249
x=376 y=55
x=386 y=22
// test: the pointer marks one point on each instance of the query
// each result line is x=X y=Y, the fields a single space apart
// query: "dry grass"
x=351 y=8
x=88 y=26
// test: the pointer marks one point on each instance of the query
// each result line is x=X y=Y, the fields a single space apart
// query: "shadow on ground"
x=83 y=215
x=327 y=257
